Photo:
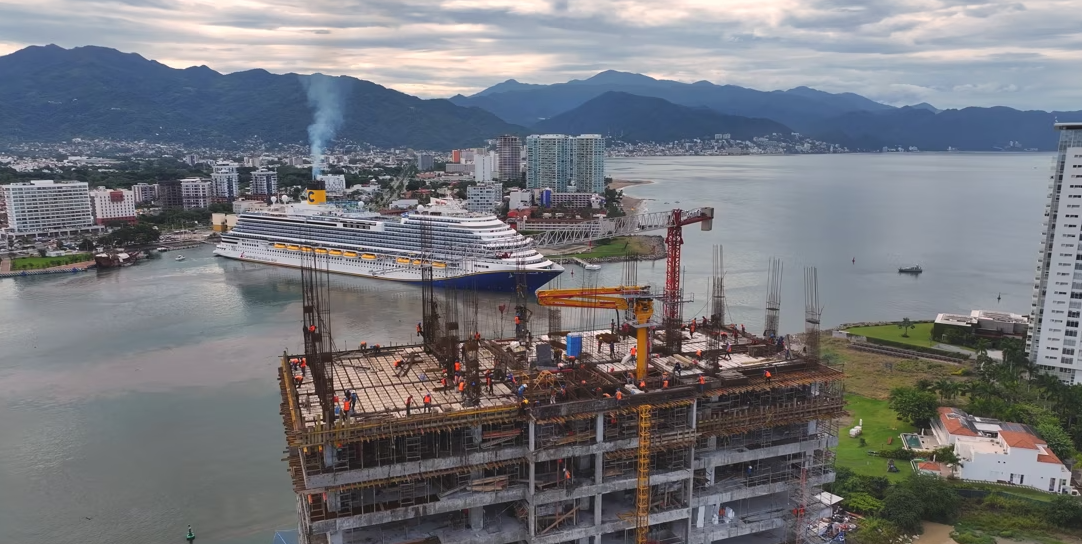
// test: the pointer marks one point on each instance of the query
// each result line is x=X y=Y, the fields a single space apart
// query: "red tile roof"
x=1048 y=458
x=954 y=424
x=1017 y=439
x=928 y=465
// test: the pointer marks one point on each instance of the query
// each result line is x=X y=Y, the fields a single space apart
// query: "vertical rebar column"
x=812 y=314
x=773 y=298
x=717 y=306
x=318 y=347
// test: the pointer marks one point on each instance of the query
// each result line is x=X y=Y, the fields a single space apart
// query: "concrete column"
x=532 y=447
x=692 y=413
x=597 y=510
x=600 y=428
x=700 y=517
x=533 y=475
x=332 y=501
x=709 y=473
x=599 y=467
x=477 y=518
x=328 y=455
x=476 y=434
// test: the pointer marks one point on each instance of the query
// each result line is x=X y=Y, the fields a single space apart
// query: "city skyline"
x=991 y=53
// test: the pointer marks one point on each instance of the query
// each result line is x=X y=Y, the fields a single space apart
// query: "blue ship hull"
x=497 y=281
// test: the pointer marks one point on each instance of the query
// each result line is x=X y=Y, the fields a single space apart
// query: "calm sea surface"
x=145 y=399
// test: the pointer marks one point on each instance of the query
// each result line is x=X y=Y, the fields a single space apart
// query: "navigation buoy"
x=191 y=534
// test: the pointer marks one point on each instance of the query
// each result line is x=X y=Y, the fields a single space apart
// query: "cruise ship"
x=464 y=249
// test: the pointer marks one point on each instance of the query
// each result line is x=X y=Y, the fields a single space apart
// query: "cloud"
x=951 y=53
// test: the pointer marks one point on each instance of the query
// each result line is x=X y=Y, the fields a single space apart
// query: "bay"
x=145 y=398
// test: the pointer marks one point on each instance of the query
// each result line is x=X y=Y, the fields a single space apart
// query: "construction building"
x=697 y=444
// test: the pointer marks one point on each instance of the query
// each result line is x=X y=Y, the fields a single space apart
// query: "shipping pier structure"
x=538 y=448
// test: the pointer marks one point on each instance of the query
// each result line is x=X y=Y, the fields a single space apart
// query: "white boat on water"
x=464 y=249
x=179 y=258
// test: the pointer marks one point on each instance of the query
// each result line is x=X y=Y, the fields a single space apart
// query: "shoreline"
x=617 y=184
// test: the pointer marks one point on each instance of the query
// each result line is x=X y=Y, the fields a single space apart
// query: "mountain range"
x=48 y=93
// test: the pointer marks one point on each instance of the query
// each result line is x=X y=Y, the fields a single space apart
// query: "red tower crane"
x=673 y=240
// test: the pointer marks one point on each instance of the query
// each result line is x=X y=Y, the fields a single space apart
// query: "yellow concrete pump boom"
x=636 y=302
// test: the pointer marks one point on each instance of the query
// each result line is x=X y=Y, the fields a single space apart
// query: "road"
x=397 y=186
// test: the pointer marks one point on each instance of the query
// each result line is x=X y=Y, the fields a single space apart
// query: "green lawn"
x=880 y=424
x=615 y=247
x=919 y=335
x=33 y=263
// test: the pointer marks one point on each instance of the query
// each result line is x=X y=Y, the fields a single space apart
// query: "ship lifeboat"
x=279 y=246
x=293 y=248
x=438 y=264
x=368 y=257
x=350 y=254
x=306 y=249
x=402 y=260
x=321 y=251
x=335 y=252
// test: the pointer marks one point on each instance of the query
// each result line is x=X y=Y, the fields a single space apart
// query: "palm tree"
x=945 y=388
x=905 y=325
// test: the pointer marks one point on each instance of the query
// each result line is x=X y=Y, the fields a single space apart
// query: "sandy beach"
x=618 y=184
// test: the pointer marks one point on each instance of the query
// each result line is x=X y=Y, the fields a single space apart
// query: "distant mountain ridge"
x=848 y=119
x=632 y=118
x=49 y=93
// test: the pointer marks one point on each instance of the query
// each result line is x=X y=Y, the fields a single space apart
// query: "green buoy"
x=190 y=536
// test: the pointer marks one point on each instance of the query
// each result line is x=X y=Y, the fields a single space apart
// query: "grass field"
x=919 y=335
x=880 y=425
x=873 y=375
x=34 y=263
x=617 y=247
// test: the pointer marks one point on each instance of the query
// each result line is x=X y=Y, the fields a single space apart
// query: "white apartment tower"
x=264 y=182
x=109 y=205
x=548 y=162
x=484 y=197
x=196 y=193
x=334 y=184
x=484 y=166
x=145 y=192
x=226 y=181
x=588 y=162
x=47 y=207
x=1057 y=297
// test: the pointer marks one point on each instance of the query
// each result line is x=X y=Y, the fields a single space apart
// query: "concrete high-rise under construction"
x=730 y=446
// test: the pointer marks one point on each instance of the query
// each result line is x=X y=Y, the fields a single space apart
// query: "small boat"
x=402 y=260
x=592 y=267
x=438 y=264
x=306 y=249
x=179 y=258
x=279 y=246
x=162 y=249
x=915 y=269
x=350 y=254
x=321 y=251
x=336 y=252
x=416 y=262
x=368 y=257
x=293 y=248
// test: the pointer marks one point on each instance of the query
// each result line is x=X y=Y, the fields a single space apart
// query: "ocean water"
x=145 y=399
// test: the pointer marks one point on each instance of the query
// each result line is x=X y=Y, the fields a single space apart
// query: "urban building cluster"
x=566 y=164
x=724 y=144
x=62 y=208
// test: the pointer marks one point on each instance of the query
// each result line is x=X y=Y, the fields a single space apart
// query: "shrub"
x=863 y=503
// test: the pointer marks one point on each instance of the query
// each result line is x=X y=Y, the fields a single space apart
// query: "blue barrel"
x=574 y=345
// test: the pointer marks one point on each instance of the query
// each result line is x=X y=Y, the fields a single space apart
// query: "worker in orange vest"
x=397 y=363
x=304 y=367
x=311 y=328
x=345 y=409
x=409 y=403
x=699 y=353
x=476 y=336
x=567 y=476
x=619 y=395
x=766 y=374
x=691 y=328
x=428 y=402
x=462 y=388
x=642 y=386
x=458 y=366
x=702 y=383
x=419 y=330
x=634 y=351
x=665 y=383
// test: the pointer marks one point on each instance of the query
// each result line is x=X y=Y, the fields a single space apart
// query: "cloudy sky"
x=950 y=53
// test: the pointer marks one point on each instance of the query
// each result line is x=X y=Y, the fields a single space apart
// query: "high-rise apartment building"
x=226 y=181
x=509 y=162
x=145 y=192
x=1057 y=296
x=47 y=207
x=425 y=162
x=548 y=162
x=334 y=184
x=566 y=163
x=264 y=182
x=188 y=193
x=484 y=166
x=111 y=205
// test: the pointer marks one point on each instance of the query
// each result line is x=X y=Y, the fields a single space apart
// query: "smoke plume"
x=325 y=96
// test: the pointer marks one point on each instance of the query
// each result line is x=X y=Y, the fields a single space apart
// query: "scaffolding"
x=773 y=299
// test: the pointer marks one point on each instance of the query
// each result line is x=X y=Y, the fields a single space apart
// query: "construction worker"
x=634 y=351
x=458 y=367
x=427 y=402
x=676 y=369
x=488 y=381
x=612 y=326
x=477 y=336
x=699 y=353
x=443 y=380
x=767 y=375
x=521 y=391
x=665 y=382
x=599 y=344
x=612 y=349
x=304 y=367
x=619 y=396
x=523 y=407
x=409 y=403
x=567 y=477
x=642 y=386
x=397 y=364
x=363 y=347
x=702 y=384
x=337 y=412
x=298 y=379
x=420 y=331
x=346 y=404
x=743 y=331
x=312 y=329
x=691 y=328
x=462 y=389
x=375 y=349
